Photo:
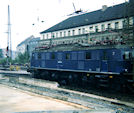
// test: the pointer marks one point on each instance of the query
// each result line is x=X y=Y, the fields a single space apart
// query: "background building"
x=83 y=28
x=32 y=44
x=28 y=45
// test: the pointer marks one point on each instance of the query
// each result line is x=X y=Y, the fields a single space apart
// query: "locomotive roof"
x=111 y=13
x=77 y=47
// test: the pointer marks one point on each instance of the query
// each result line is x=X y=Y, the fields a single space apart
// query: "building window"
x=60 y=34
x=123 y=23
x=79 y=31
x=68 y=33
x=47 y=36
x=102 y=27
x=91 y=28
x=43 y=36
x=64 y=33
x=83 y=30
x=56 y=34
x=116 y=25
x=96 y=28
x=108 y=26
x=73 y=32
x=88 y=55
x=53 y=35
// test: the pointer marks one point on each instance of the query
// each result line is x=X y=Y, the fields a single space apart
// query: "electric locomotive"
x=106 y=66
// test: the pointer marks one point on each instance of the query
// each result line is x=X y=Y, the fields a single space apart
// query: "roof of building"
x=31 y=38
x=111 y=13
x=25 y=41
x=35 y=39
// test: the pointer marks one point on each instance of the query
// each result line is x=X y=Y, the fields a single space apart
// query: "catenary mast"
x=9 y=45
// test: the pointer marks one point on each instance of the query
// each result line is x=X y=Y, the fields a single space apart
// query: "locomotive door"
x=59 y=61
x=104 y=62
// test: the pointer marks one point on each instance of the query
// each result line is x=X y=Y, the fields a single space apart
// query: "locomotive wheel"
x=67 y=78
x=72 y=79
x=54 y=76
x=119 y=84
x=84 y=81
x=46 y=75
x=34 y=74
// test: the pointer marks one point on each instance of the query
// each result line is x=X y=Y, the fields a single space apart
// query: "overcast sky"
x=25 y=13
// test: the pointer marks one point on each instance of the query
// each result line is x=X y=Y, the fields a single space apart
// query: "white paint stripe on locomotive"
x=94 y=72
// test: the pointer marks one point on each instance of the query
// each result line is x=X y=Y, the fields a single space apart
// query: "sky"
x=30 y=17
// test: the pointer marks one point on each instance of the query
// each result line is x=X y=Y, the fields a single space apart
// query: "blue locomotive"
x=68 y=64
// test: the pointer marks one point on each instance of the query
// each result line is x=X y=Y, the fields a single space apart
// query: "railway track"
x=51 y=89
x=104 y=92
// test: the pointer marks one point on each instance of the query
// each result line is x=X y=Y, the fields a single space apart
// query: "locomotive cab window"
x=32 y=55
x=88 y=55
x=67 y=56
x=127 y=55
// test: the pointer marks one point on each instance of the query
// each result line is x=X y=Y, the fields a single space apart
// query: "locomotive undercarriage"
x=120 y=82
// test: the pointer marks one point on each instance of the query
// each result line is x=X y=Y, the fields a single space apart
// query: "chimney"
x=104 y=7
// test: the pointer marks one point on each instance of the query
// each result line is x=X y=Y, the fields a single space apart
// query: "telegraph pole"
x=9 y=45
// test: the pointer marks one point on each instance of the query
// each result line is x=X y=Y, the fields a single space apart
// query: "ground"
x=15 y=100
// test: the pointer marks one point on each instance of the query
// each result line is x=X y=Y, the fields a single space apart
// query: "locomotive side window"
x=53 y=56
x=39 y=55
x=67 y=56
x=88 y=55
x=104 y=57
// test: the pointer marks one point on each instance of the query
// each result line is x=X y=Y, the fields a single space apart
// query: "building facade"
x=85 y=28
x=28 y=45
x=32 y=44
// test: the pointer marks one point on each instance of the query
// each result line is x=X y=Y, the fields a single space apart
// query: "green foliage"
x=22 y=58
x=1 y=53
x=3 y=61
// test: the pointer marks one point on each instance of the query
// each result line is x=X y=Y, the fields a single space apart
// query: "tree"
x=3 y=61
x=22 y=58
x=1 y=53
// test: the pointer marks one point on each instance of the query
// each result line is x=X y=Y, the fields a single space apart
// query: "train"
x=108 y=66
